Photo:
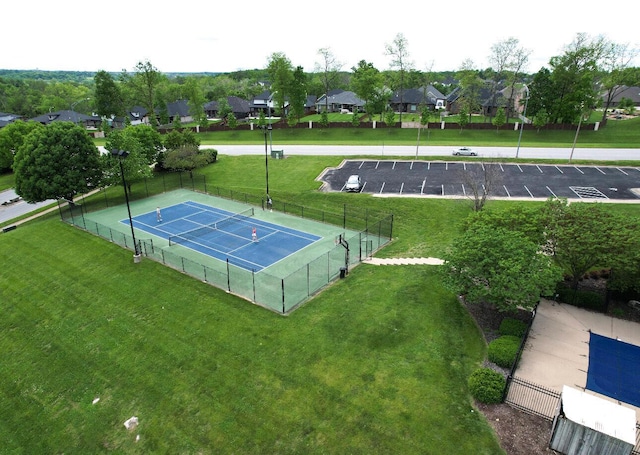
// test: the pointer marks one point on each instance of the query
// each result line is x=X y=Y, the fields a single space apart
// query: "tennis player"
x=254 y=234
x=158 y=214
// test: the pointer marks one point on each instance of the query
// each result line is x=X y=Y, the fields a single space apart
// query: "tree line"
x=587 y=75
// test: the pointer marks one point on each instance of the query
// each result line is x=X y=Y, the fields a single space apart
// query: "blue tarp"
x=614 y=369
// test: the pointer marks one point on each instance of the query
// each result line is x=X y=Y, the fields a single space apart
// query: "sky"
x=225 y=36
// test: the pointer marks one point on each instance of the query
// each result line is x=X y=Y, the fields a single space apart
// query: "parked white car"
x=354 y=184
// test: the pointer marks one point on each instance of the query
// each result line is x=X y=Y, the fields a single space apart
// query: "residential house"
x=179 y=108
x=88 y=121
x=6 y=118
x=339 y=101
x=411 y=100
x=632 y=93
x=241 y=108
x=265 y=103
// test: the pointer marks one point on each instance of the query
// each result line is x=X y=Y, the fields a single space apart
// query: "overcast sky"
x=230 y=35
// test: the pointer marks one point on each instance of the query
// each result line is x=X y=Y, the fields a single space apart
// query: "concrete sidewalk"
x=557 y=350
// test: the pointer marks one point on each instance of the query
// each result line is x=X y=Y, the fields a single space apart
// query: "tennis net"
x=236 y=218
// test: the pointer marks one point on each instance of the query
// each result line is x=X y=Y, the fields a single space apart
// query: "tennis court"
x=224 y=235
x=299 y=250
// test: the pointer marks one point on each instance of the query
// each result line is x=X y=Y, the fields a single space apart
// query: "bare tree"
x=479 y=181
x=329 y=70
x=617 y=72
x=509 y=61
x=399 y=53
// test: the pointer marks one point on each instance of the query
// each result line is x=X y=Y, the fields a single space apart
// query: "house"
x=88 y=121
x=241 y=108
x=310 y=105
x=6 y=118
x=180 y=109
x=623 y=91
x=265 y=103
x=411 y=100
x=339 y=101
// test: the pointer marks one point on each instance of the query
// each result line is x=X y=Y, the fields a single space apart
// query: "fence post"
x=283 y=308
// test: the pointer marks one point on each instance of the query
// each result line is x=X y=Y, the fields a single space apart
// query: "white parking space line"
x=507 y=191
x=464 y=166
x=361 y=164
x=394 y=165
x=382 y=189
x=401 y=187
x=429 y=166
x=411 y=166
x=443 y=190
x=464 y=192
x=539 y=168
x=559 y=170
x=601 y=171
x=501 y=167
x=578 y=169
x=519 y=167
x=424 y=182
x=377 y=164
x=525 y=187
x=622 y=171
x=446 y=166
x=554 y=194
x=363 y=185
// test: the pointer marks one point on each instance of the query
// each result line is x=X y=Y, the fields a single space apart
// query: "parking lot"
x=455 y=179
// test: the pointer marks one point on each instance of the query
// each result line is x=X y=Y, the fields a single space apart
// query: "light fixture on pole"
x=75 y=114
x=266 y=155
x=122 y=154
x=524 y=117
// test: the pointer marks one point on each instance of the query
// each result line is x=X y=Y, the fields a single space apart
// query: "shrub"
x=486 y=385
x=580 y=298
x=514 y=327
x=503 y=350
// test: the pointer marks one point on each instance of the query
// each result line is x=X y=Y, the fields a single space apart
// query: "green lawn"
x=375 y=364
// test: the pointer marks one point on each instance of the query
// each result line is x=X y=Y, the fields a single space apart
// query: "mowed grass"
x=376 y=364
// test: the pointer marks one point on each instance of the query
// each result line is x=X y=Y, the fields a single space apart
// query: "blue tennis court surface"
x=231 y=240
x=614 y=369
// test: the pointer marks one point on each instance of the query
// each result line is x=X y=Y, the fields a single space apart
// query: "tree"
x=232 y=121
x=298 y=94
x=500 y=119
x=500 y=266
x=195 y=95
x=108 y=100
x=143 y=85
x=56 y=162
x=390 y=117
x=580 y=236
x=480 y=181
x=617 y=72
x=281 y=75
x=573 y=75
x=398 y=50
x=508 y=60
x=463 y=115
x=144 y=145
x=366 y=83
x=540 y=120
x=12 y=137
x=329 y=70
x=470 y=87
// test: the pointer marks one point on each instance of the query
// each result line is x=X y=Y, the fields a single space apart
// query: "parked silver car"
x=354 y=184
x=466 y=151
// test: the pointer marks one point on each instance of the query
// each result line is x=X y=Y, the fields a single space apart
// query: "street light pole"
x=121 y=154
x=524 y=116
x=266 y=156
x=75 y=115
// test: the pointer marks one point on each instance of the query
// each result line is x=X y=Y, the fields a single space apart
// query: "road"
x=410 y=151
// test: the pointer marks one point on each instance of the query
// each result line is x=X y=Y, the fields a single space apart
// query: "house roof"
x=632 y=93
x=179 y=108
x=341 y=97
x=427 y=94
x=238 y=105
x=63 y=116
